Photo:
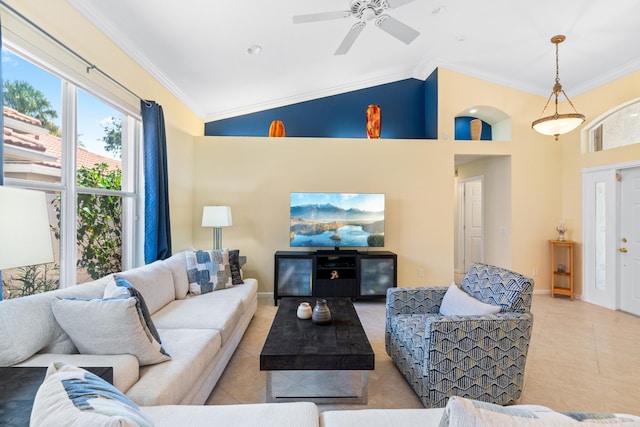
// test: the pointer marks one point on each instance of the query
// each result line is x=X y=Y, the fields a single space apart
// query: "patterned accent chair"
x=478 y=357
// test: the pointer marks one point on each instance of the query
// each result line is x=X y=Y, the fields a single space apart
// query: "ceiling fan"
x=365 y=11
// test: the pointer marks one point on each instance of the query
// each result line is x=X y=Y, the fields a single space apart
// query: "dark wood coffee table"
x=317 y=363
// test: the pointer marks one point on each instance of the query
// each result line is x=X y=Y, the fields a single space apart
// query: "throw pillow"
x=234 y=264
x=122 y=288
x=208 y=271
x=473 y=413
x=71 y=396
x=108 y=326
x=222 y=267
x=458 y=302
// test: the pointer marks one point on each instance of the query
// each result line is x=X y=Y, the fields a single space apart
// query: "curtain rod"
x=90 y=65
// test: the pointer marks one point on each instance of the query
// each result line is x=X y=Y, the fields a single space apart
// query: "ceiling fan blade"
x=397 y=29
x=322 y=16
x=351 y=37
x=393 y=4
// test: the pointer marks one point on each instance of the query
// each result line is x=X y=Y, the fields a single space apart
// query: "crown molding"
x=613 y=74
x=138 y=57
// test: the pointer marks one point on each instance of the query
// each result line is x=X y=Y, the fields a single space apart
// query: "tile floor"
x=582 y=357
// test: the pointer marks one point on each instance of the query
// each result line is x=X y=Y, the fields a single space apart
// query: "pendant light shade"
x=558 y=124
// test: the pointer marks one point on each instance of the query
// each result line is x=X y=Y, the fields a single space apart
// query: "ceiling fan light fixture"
x=558 y=124
x=254 y=49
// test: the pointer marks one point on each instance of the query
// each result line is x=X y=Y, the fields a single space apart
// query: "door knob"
x=623 y=250
x=624 y=240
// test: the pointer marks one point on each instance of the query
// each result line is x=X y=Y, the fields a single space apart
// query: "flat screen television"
x=337 y=220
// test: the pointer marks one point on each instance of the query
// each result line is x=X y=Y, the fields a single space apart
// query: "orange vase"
x=276 y=129
x=476 y=129
x=373 y=121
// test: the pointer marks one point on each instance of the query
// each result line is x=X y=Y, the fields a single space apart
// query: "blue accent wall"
x=408 y=111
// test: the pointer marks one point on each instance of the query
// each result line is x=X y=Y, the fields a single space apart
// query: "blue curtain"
x=1 y=140
x=157 y=227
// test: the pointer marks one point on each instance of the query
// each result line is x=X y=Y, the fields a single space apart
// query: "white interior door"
x=473 y=222
x=629 y=241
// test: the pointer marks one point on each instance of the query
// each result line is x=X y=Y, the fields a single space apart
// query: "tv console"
x=334 y=273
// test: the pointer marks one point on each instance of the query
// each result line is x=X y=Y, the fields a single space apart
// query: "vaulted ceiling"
x=198 y=49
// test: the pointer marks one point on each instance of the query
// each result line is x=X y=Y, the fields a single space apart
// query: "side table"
x=562 y=267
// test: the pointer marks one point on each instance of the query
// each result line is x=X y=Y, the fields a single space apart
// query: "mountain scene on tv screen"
x=331 y=225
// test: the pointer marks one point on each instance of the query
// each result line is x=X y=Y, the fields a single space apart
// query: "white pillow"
x=71 y=396
x=457 y=302
x=467 y=412
x=108 y=326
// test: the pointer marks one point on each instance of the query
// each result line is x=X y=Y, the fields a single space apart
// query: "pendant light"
x=558 y=124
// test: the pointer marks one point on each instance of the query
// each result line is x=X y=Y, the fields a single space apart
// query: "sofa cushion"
x=381 y=417
x=467 y=412
x=208 y=271
x=71 y=396
x=167 y=383
x=125 y=366
x=201 y=312
x=458 y=302
x=155 y=283
x=247 y=293
x=22 y=336
x=296 y=414
x=108 y=326
x=176 y=263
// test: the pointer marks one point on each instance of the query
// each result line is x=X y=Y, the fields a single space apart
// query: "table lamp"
x=24 y=228
x=216 y=217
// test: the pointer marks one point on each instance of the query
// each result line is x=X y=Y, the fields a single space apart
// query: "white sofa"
x=71 y=397
x=200 y=333
x=460 y=412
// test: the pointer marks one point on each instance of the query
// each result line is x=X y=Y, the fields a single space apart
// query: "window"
x=618 y=128
x=82 y=150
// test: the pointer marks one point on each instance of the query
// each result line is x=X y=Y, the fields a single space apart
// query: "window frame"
x=591 y=142
x=131 y=191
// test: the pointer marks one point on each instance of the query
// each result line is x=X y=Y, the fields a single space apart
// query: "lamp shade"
x=558 y=124
x=216 y=216
x=24 y=228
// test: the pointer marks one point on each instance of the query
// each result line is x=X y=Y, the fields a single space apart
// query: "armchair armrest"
x=422 y=300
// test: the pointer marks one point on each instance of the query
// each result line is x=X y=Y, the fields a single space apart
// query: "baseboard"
x=548 y=292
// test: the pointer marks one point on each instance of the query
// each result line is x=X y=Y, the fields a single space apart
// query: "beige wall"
x=66 y=24
x=255 y=176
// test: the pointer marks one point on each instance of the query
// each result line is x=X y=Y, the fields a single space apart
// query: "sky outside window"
x=92 y=113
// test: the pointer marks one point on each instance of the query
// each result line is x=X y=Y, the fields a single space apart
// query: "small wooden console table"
x=562 y=267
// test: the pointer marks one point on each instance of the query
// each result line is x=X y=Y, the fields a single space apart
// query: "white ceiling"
x=198 y=48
